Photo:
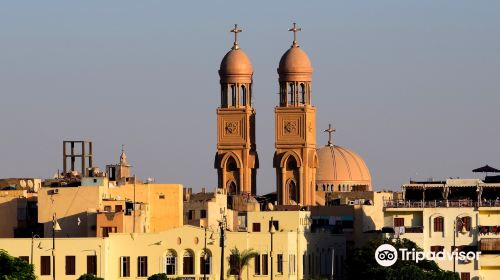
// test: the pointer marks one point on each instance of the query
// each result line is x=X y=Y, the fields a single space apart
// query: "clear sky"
x=411 y=86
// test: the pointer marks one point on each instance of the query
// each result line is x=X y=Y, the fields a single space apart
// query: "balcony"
x=489 y=245
x=439 y=203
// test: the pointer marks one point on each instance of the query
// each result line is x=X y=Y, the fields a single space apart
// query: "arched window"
x=466 y=223
x=302 y=93
x=231 y=165
x=188 y=263
x=291 y=93
x=292 y=190
x=171 y=263
x=243 y=96
x=438 y=224
x=291 y=164
x=233 y=95
x=206 y=262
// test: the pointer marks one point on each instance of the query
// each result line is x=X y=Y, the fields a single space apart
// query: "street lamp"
x=55 y=227
x=457 y=220
x=33 y=237
x=222 y=227
x=205 y=254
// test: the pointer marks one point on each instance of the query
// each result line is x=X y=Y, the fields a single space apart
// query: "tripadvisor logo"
x=387 y=255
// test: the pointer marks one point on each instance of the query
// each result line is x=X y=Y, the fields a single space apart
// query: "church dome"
x=236 y=67
x=295 y=65
x=341 y=169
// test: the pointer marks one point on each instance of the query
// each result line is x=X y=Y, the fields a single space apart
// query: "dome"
x=339 y=166
x=295 y=65
x=236 y=67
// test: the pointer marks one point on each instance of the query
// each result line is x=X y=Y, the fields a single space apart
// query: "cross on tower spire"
x=235 y=30
x=330 y=131
x=295 y=29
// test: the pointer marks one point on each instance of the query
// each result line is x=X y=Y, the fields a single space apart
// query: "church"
x=305 y=174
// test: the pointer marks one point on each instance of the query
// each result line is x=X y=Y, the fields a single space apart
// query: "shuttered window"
x=438 y=224
x=142 y=266
x=70 y=265
x=92 y=265
x=44 y=265
x=125 y=266
x=399 y=222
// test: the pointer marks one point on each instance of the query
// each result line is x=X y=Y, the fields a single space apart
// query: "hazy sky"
x=412 y=86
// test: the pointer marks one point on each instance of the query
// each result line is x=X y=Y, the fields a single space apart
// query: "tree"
x=12 y=268
x=159 y=276
x=89 y=277
x=361 y=264
x=239 y=260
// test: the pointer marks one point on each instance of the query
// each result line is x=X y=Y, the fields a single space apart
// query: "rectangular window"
x=25 y=258
x=233 y=262
x=142 y=266
x=203 y=214
x=44 y=265
x=438 y=224
x=190 y=214
x=124 y=266
x=465 y=276
x=257 y=265
x=70 y=265
x=161 y=196
x=118 y=208
x=291 y=266
x=399 y=222
x=107 y=208
x=92 y=265
x=437 y=249
x=256 y=227
x=280 y=263
x=264 y=264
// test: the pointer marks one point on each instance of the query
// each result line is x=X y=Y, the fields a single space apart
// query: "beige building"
x=443 y=215
x=296 y=252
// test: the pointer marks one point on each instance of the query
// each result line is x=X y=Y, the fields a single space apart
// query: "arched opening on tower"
x=292 y=191
x=232 y=176
x=291 y=93
x=243 y=93
x=231 y=187
x=302 y=94
x=233 y=96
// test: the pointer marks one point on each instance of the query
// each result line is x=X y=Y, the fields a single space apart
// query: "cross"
x=330 y=131
x=235 y=30
x=123 y=148
x=294 y=29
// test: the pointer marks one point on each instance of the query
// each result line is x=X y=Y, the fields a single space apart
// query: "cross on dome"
x=330 y=131
x=295 y=29
x=235 y=30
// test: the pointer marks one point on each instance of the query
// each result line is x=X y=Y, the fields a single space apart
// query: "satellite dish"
x=22 y=183
x=30 y=184
x=270 y=206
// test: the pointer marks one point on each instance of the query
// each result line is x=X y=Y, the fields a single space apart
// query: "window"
x=44 y=265
x=188 y=263
x=233 y=95
x=466 y=223
x=399 y=222
x=257 y=265
x=243 y=98
x=292 y=264
x=233 y=265
x=280 y=263
x=107 y=208
x=70 y=265
x=190 y=214
x=256 y=227
x=142 y=266
x=205 y=263
x=264 y=264
x=161 y=196
x=118 y=208
x=438 y=224
x=92 y=265
x=203 y=214
x=276 y=225
x=124 y=266
x=437 y=249
x=465 y=276
x=170 y=263
x=25 y=258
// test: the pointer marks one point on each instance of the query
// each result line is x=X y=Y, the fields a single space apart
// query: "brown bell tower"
x=236 y=160
x=295 y=158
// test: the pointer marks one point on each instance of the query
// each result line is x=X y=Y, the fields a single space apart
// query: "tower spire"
x=330 y=131
x=295 y=29
x=235 y=30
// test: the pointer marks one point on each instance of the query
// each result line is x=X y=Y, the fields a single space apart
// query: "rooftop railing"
x=440 y=203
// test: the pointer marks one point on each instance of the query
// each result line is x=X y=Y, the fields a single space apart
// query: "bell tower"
x=295 y=158
x=236 y=160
